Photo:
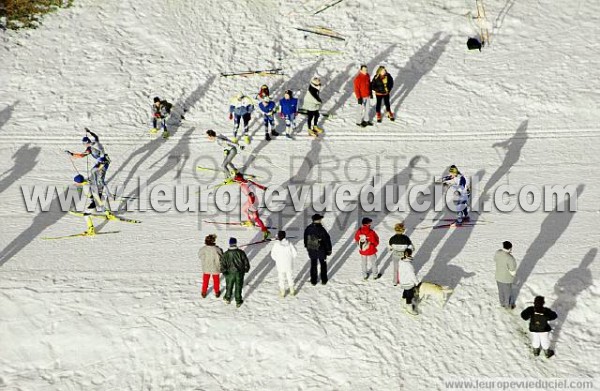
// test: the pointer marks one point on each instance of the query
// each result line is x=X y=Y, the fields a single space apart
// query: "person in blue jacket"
x=241 y=107
x=268 y=108
x=289 y=110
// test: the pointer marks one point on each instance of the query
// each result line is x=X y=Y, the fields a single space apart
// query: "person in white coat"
x=408 y=281
x=283 y=253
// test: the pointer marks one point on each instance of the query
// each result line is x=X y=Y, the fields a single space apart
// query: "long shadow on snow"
x=148 y=149
x=441 y=271
x=258 y=273
x=345 y=81
x=40 y=222
x=341 y=226
x=419 y=64
x=6 y=114
x=569 y=287
x=25 y=161
x=513 y=147
x=551 y=230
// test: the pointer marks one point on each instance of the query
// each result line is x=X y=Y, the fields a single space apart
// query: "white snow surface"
x=124 y=312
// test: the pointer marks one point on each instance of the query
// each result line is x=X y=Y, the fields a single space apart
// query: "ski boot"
x=377 y=276
x=234 y=140
x=153 y=131
x=247 y=223
x=378 y=118
x=536 y=351
x=549 y=353
x=217 y=294
x=246 y=139
x=227 y=300
x=288 y=136
x=292 y=291
x=267 y=137
x=238 y=305
x=91 y=231
x=390 y=116
x=274 y=133
x=266 y=235
x=203 y=294
x=282 y=293
x=364 y=124
x=165 y=134
x=312 y=133
x=317 y=129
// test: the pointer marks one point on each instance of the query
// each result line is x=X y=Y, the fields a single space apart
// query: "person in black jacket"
x=234 y=264
x=318 y=245
x=538 y=317
x=382 y=85
x=397 y=245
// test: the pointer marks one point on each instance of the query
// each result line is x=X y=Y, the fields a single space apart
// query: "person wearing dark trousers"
x=506 y=270
x=312 y=105
x=538 y=317
x=409 y=282
x=318 y=244
x=382 y=85
x=234 y=264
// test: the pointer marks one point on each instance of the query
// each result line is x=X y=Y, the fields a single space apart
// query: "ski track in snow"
x=124 y=311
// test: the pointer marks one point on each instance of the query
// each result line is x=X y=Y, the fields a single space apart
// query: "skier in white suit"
x=283 y=253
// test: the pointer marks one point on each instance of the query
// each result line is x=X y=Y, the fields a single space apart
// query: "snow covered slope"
x=124 y=312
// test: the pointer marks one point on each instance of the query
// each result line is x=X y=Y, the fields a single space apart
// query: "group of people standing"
x=234 y=264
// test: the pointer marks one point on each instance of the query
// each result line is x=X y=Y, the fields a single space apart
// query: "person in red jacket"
x=362 y=91
x=368 y=241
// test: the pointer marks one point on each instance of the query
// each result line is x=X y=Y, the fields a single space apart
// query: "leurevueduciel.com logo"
x=334 y=186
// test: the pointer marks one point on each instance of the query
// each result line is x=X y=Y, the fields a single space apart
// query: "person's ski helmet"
x=156 y=99
x=79 y=178
x=86 y=140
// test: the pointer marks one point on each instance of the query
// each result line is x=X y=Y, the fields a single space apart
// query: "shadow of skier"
x=25 y=161
x=569 y=286
x=551 y=230
x=419 y=64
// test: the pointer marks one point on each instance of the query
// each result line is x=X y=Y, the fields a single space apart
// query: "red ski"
x=233 y=223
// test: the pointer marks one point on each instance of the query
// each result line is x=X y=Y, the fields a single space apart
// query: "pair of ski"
x=452 y=223
x=322 y=31
x=242 y=225
x=109 y=217
x=237 y=223
x=259 y=72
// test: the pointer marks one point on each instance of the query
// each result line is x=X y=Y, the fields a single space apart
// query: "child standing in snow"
x=289 y=110
x=210 y=256
x=284 y=253
x=538 y=317
x=408 y=282
x=161 y=111
x=240 y=109
x=397 y=245
x=268 y=109
x=368 y=241
x=312 y=105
